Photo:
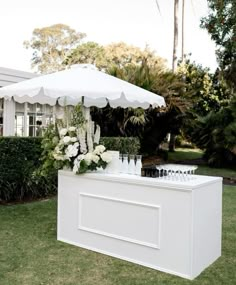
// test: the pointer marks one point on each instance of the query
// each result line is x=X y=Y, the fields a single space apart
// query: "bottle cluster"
x=130 y=164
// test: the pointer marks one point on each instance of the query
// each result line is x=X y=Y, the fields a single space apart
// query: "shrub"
x=216 y=134
x=27 y=171
x=123 y=144
x=20 y=159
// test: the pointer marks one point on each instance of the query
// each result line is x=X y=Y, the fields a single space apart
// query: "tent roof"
x=69 y=86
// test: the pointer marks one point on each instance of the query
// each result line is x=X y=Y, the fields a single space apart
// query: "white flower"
x=57 y=150
x=88 y=158
x=80 y=157
x=82 y=140
x=99 y=149
x=97 y=134
x=95 y=158
x=72 y=129
x=66 y=140
x=73 y=139
x=61 y=143
x=106 y=156
x=63 y=132
x=72 y=150
x=59 y=157
x=76 y=166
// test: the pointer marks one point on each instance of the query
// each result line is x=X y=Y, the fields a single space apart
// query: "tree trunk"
x=172 y=142
x=174 y=59
x=183 y=15
x=176 y=32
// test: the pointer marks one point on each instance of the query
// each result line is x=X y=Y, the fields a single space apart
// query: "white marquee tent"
x=69 y=86
x=82 y=83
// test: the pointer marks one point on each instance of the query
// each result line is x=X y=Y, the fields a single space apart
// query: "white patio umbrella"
x=68 y=87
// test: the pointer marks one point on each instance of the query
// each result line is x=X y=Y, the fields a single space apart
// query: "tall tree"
x=121 y=54
x=118 y=55
x=89 y=52
x=51 y=45
x=183 y=34
x=176 y=34
x=221 y=25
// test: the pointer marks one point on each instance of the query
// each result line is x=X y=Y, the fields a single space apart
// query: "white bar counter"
x=171 y=226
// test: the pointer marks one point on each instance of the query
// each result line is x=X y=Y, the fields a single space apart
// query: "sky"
x=135 y=22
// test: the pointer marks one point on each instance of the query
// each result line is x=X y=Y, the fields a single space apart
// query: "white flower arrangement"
x=92 y=160
x=72 y=149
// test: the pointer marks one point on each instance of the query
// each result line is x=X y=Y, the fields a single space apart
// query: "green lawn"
x=31 y=255
x=184 y=154
x=224 y=172
x=188 y=154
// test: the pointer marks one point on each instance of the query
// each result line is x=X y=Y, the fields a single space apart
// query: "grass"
x=224 y=172
x=188 y=154
x=31 y=255
x=184 y=154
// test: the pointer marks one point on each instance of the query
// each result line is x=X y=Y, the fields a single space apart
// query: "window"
x=19 y=119
x=31 y=118
x=34 y=119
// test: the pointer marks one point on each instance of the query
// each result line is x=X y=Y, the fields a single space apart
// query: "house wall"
x=10 y=76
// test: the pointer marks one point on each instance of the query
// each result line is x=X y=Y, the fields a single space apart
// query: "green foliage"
x=122 y=55
x=89 y=52
x=49 y=167
x=20 y=158
x=207 y=91
x=123 y=144
x=50 y=140
x=221 y=25
x=77 y=119
x=145 y=123
x=51 y=45
x=83 y=167
x=216 y=134
x=116 y=55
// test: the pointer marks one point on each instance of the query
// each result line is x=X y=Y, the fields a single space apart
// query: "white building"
x=18 y=119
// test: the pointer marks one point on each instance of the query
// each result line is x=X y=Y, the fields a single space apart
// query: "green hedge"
x=123 y=144
x=21 y=177
x=19 y=160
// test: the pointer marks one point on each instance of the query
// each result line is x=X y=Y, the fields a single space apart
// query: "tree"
x=174 y=62
x=221 y=25
x=216 y=135
x=121 y=54
x=183 y=25
x=176 y=34
x=118 y=55
x=151 y=125
x=51 y=45
x=89 y=52
x=209 y=92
